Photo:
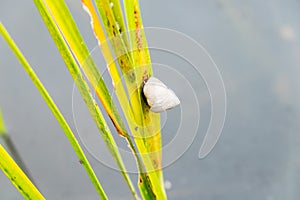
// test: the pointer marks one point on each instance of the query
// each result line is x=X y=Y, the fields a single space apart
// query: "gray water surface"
x=256 y=47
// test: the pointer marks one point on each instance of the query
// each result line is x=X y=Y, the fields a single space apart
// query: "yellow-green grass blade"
x=84 y=91
x=143 y=62
x=12 y=148
x=106 y=51
x=112 y=67
x=116 y=9
x=122 y=55
x=18 y=177
x=137 y=36
x=2 y=125
x=57 y=9
x=141 y=56
x=147 y=136
x=59 y=117
x=113 y=21
x=114 y=30
x=146 y=190
x=120 y=48
x=117 y=38
x=133 y=86
x=69 y=30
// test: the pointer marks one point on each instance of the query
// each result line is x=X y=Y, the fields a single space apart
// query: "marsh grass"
x=135 y=66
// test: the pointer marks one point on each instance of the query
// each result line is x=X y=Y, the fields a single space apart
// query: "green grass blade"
x=68 y=28
x=16 y=155
x=18 y=177
x=147 y=136
x=72 y=36
x=137 y=35
x=2 y=125
x=12 y=148
x=146 y=191
x=59 y=117
x=117 y=15
x=118 y=40
x=84 y=91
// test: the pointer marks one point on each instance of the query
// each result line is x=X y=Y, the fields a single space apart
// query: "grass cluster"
x=124 y=46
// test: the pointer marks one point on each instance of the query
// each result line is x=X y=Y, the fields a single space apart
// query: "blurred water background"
x=256 y=46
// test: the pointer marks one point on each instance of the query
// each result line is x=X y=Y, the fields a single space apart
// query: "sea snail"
x=159 y=96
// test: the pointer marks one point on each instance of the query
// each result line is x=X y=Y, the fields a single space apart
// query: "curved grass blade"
x=18 y=177
x=84 y=91
x=59 y=117
x=68 y=28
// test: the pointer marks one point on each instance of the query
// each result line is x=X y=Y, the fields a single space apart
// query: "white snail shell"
x=159 y=96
